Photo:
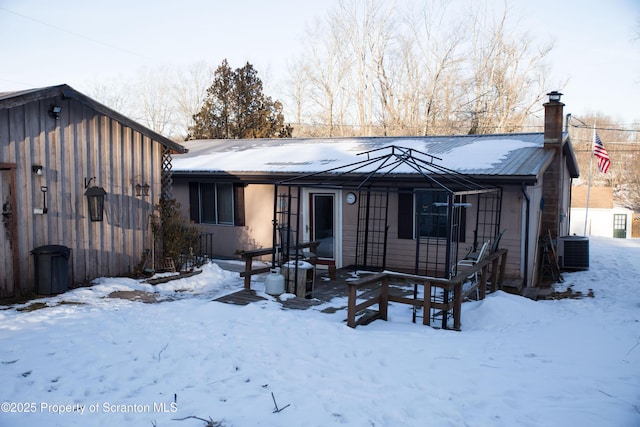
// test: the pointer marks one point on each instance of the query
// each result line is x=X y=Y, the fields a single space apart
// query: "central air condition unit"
x=573 y=252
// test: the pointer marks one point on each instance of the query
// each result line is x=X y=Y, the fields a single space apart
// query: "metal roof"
x=519 y=155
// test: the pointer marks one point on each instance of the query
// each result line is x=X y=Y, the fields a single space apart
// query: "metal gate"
x=372 y=228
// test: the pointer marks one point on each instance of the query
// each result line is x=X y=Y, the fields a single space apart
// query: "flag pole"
x=586 y=211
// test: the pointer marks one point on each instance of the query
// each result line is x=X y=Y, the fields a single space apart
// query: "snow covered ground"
x=97 y=361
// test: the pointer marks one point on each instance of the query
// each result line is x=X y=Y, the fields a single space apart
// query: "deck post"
x=426 y=304
x=248 y=261
x=483 y=282
x=494 y=274
x=351 y=307
x=457 y=305
x=503 y=265
x=383 y=299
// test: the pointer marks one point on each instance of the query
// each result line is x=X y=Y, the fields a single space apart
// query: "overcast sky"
x=78 y=42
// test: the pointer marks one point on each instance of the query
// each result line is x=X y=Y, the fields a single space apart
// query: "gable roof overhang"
x=17 y=98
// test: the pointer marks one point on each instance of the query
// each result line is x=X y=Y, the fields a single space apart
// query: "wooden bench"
x=256 y=253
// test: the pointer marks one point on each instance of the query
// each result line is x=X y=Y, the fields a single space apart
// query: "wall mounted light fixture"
x=37 y=169
x=54 y=111
x=95 y=198
x=142 y=189
x=44 y=190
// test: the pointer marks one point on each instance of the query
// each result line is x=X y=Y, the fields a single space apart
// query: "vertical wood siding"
x=81 y=144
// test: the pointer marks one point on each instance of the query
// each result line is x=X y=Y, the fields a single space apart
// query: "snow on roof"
x=472 y=153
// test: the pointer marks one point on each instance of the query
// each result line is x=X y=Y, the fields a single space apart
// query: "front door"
x=322 y=224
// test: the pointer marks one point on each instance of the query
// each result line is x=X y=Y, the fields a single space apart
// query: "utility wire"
x=583 y=125
x=76 y=34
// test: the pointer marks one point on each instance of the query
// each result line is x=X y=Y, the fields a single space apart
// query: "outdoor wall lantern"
x=37 y=169
x=95 y=197
x=554 y=96
x=142 y=189
x=54 y=111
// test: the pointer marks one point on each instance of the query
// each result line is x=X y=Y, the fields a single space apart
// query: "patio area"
x=440 y=299
x=325 y=290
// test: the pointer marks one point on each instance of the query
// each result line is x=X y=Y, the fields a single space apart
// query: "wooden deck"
x=440 y=298
x=325 y=290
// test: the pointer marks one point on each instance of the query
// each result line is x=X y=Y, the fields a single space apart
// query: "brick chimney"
x=553 y=115
x=552 y=189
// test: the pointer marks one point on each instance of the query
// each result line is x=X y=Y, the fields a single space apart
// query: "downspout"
x=526 y=234
x=275 y=256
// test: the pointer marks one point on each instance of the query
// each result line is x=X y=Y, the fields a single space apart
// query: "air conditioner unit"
x=573 y=252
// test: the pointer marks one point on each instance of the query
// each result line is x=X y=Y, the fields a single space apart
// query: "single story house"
x=602 y=217
x=78 y=181
x=228 y=188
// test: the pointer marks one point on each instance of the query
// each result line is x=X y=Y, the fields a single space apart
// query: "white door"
x=322 y=221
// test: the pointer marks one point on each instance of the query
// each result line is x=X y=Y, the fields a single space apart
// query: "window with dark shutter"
x=405 y=214
x=432 y=218
x=238 y=200
x=431 y=210
x=194 y=202
x=216 y=203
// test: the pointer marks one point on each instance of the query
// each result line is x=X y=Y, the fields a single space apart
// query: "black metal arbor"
x=434 y=204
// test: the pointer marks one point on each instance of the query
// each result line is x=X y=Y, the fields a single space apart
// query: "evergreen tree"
x=236 y=107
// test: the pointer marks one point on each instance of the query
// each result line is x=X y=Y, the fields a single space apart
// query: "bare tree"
x=296 y=90
x=425 y=72
x=325 y=71
x=365 y=28
x=154 y=100
x=624 y=174
x=507 y=75
x=189 y=90
x=163 y=99
x=438 y=49
x=114 y=93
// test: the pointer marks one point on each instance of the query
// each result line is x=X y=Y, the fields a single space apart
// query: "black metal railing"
x=198 y=255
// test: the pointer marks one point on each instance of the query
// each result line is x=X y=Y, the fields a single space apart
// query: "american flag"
x=601 y=153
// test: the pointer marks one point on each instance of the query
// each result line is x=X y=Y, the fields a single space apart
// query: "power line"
x=76 y=34
x=583 y=125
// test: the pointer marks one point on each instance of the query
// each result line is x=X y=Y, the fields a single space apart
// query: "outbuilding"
x=75 y=174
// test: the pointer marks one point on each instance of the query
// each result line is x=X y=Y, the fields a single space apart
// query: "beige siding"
x=255 y=234
x=401 y=252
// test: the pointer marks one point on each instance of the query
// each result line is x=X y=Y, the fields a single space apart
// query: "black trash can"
x=52 y=269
